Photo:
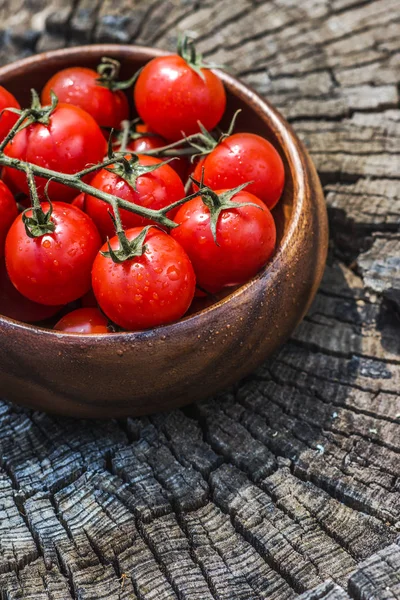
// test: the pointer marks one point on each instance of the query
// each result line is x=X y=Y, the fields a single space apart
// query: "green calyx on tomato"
x=108 y=71
x=37 y=112
x=217 y=203
x=187 y=50
x=128 y=249
x=130 y=169
x=39 y=223
x=204 y=142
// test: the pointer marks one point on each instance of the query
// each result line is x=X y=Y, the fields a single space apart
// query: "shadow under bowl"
x=131 y=374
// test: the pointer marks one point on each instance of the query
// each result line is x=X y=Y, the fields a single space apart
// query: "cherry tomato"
x=171 y=97
x=245 y=235
x=80 y=201
x=83 y=320
x=245 y=157
x=148 y=290
x=153 y=142
x=70 y=142
x=79 y=86
x=15 y=306
x=154 y=190
x=145 y=142
x=54 y=268
x=7 y=118
x=8 y=213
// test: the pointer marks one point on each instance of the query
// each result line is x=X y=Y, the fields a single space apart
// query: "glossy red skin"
x=245 y=157
x=146 y=142
x=8 y=214
x=83 y=320
x=70 y=142
x=7 y=118
x=55 y=268
x=149 y=290
x=78 y=86
x=15 y=306
x=80 y=202
x=171 y=97
x=246 y=238
x=154 y=190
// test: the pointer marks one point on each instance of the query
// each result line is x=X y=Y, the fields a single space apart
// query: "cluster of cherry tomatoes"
x=62 y=255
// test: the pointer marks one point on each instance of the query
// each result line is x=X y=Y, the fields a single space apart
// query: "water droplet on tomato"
x=172 y=273
x=46 y=243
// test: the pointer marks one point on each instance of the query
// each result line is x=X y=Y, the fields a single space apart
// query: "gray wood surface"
x=288 y=485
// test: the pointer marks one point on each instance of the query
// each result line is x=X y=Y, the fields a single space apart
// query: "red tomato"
x=8 y=213
x=145 y=143
x=245 y=236
x=80 y=201
x=7 y=118
x=171 y=97
x=154 y=190
x=79 y=86
x=245 y=157
x=70 y=142
x=148 y=290
x=83 y=320
x=15 y=306
x=54 y=268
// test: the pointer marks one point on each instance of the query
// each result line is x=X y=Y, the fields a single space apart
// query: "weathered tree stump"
x=288 y=485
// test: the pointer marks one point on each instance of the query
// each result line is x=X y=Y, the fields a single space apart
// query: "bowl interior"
x=35 y=72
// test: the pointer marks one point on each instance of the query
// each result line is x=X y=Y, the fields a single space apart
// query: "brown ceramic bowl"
x=137 y=373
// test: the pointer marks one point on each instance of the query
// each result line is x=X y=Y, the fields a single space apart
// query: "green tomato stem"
x=74 y=181
x=14 y=129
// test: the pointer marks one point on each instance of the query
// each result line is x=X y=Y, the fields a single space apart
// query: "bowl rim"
x=288 y=141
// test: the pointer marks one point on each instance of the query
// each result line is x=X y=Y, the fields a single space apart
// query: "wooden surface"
x=288 y=484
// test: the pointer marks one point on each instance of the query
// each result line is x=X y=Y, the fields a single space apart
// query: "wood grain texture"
x=287 y=484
